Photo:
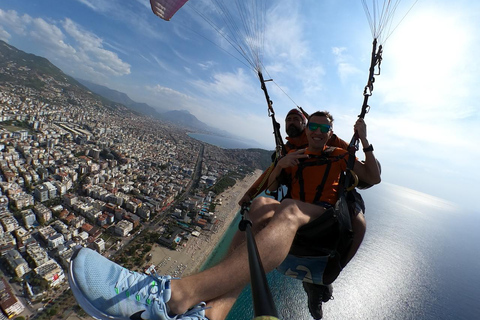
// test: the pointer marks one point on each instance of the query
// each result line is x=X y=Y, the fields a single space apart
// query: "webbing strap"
x=325 y=159
x=280 y=147
x=301 y=183
x=376 y=59
x=320 y=187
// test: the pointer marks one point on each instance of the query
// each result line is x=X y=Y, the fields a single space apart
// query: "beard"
x=293 y=131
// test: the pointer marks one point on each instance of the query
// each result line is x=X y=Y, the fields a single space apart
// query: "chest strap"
x=324 y=159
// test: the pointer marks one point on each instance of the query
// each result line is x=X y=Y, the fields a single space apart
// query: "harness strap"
x=299 y=174
x=301 y=183
x=320 y=187
x=324 y=159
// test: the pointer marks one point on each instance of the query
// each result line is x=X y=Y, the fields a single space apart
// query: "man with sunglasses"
x=319 y=130
x=295 y=125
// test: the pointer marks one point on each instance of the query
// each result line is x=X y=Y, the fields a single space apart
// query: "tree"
x=52 y=311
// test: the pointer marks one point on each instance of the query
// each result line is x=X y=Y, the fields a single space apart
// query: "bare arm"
x=367 y=171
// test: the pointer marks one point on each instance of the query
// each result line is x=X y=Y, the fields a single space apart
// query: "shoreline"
x=190 y=259
x=198 y=251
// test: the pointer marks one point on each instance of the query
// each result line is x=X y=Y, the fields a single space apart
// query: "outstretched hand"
x=292 y=159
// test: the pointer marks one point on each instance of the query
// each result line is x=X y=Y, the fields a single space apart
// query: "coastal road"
x=153 y=225
x=197 y=173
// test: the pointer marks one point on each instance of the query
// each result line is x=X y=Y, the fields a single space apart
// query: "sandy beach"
x=189 y=259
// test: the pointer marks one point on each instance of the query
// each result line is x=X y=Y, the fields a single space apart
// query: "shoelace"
x=135 y=285
x=193 y=313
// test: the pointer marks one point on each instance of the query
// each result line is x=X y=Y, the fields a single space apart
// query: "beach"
x=189 y=259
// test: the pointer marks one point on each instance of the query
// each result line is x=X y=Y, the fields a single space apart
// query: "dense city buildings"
x=78 y=171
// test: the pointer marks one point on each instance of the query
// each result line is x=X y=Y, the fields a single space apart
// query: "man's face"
x=318 y=131
x=294 y=125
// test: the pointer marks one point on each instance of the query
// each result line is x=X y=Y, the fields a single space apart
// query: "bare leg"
x=232 y=274
x=261 y=211
x=221 y=306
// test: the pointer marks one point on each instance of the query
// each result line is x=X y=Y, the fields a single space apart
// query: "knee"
x=260 y=218
x=289 y=210
x=262 y=210
x=260 y=202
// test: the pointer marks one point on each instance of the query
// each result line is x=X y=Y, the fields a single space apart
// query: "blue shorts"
x=307 y=269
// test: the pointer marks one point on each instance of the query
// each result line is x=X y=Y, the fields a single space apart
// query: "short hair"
x=325 y=114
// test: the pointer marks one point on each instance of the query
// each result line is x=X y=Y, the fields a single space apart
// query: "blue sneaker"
x=195 y=313
x=108 y=291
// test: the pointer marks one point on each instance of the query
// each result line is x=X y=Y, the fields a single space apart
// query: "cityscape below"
x=76 y=169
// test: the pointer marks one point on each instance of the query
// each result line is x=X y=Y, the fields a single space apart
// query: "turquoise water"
x=222 y=248
x=419 y=260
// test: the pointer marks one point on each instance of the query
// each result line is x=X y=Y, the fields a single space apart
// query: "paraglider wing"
x=165 y=9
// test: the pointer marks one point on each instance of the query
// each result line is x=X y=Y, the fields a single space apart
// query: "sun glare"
x=425 y=56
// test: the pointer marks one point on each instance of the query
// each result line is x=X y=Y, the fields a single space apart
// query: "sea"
x=420 y=259
x=223 y=142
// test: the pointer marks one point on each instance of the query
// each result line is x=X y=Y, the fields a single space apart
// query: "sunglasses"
x=324 y=128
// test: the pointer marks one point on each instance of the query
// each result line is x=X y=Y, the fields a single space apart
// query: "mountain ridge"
x=181 y=118
x=34 y=71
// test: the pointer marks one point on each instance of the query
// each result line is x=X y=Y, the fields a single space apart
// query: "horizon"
x=423 y=108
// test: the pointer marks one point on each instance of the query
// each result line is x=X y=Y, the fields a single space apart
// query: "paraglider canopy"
x=165 y=9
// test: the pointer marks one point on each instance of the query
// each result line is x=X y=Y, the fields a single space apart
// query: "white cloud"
x=431 y=63
x=288 y=54
x=127 y=14
x=206 y=65
x=226 y=85
x=4 y=35
x=345 y=66
x=103 y=6
x=11 y=20
x=50 y=38
x=160 y=91
x=103 y=60
x=84 y=56
x=166 y=98
x=284 y=33
x=171 y=69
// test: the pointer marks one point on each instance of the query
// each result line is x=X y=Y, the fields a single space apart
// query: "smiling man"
x=305 y=188
x=312 y=175
x=106 y=290
x=295 y=123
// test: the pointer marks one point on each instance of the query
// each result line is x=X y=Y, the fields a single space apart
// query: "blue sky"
x=424 y=118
